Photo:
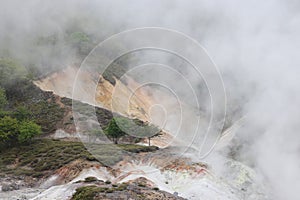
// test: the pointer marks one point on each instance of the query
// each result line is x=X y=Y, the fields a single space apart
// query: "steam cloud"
x=254 y=43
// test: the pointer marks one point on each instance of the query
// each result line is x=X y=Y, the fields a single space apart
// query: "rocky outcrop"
x=107 y=95
x=138 y=189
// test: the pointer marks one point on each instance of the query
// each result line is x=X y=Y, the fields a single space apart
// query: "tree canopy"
x=13 y=131
x=8 y=130
x=28 y=130
x=114 y=131
x=120 y=126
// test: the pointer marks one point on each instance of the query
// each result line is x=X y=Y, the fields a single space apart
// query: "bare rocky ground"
x=89 y=188
x=90 y=177
x=74 y=177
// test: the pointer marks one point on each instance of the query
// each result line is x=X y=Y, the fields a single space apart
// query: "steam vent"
x=149 y=100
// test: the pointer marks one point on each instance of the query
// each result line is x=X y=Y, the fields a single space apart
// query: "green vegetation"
x=41 y=157
x=47 y=114
x=148 y=131
x=114 y=131
x=141 y=185
x=8 y=131
x=120 y=126
x=26 y=112
x=90 y=179
x=27 y=102
x=87 y=192
x=110 y=154
x=28 y=130
x=3 y=99
x=103 y=116
x=11 y=73
x=22 y=113
x=133 y=148
x=45 y=156
x=81 y=42
x=13 y=131
x=90 y=192
x=20 y=99
x=16 y=130
x=78 y=37
x=138 y=191
x=130 y=130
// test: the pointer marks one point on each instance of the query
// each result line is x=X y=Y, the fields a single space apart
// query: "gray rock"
x=10 y=187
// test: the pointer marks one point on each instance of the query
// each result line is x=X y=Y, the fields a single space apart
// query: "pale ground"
x=186 y=184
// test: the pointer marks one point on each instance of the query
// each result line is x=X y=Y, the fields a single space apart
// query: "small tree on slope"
x=113 y=131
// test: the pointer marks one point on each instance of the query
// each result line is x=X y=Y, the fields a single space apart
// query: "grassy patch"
x=137 y=148
x=90 y=192
x=109 y=155
x=90 y=179
x=42 y=157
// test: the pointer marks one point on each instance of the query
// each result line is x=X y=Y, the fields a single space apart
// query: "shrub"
x=114 y=131
x=3 y=100
x=22 y=113
x=8 y=130
x=12 y=131
x=90 y=179
x=86 y=193
x=28 y=130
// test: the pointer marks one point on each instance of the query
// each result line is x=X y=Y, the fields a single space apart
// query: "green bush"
x=22 y=113
x=28 y=130
x=46 y=114
x=87 y=192
x=13 y=131
x=9 y=128
x=114 y=131
x=90 y=179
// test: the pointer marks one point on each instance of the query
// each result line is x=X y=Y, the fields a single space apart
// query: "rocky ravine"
x=161 y=170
